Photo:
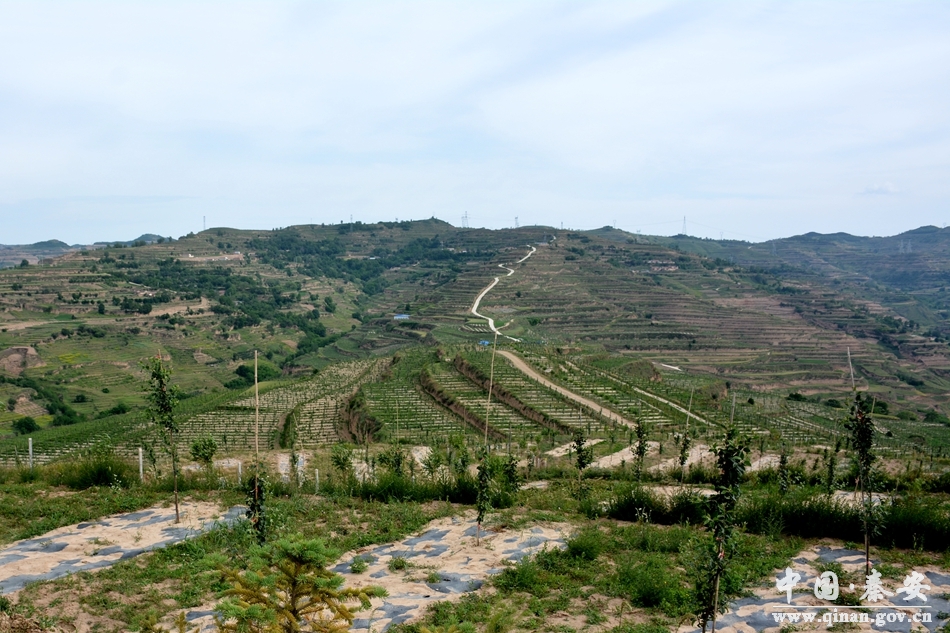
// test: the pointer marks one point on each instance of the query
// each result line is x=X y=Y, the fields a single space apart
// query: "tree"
x=641 y=450
x=162 y=398
x=483 y=494
x=341 y=456
x=584 y=454
x=287 y=588
x=255 y=492
x=862 y=455
x=24 y=264
x=583 y=457
x=784 y=475
x=832 y=458
x=685 y=443
x=731 y=459
x=25 y=426
x=203 y=450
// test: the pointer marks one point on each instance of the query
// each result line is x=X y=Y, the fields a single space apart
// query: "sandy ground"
x=627 y=455
x=101 y=543
x=22 y=325
x=564 y=449
x=697 y=454
x=178 y=309
x=758 y=613
x=852 y=498
x=420 y=454
x=443 y=564
x=763 y=463
x=671 y=491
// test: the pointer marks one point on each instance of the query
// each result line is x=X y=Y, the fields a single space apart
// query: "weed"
x=358 y=565
x=398 y=563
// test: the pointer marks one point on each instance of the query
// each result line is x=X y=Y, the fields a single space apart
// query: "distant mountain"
x=912 y=261
x=147 y=238
x=12 y=255
x=49 y=245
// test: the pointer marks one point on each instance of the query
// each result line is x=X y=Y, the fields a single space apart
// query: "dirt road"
x=523 y=367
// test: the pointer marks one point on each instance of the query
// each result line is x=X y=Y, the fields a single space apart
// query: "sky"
x=751 y=120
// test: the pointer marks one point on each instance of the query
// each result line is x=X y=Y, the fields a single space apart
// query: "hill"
x=312 y=297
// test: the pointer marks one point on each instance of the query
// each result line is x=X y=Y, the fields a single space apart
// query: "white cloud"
x=881 y=189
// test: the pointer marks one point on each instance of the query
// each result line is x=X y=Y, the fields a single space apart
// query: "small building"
x=401 y=317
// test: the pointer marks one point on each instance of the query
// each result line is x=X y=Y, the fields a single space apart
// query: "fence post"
x=30 y=442
x=316 y=482
x=240 y=474
x=141 y=466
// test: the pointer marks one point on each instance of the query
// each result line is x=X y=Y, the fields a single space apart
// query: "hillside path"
x=525 y=368
x=486 y=289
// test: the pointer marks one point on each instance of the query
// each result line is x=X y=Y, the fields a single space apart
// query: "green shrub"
x=638 y=504
x=28 y=475
x=98 y=469
x=25 y=426
x=647 y=583
x=586 y=545
x=398 y=563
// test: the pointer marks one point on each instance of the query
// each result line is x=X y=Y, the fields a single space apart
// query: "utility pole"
x=684 y=225
x=257 y=414
x=491 y=382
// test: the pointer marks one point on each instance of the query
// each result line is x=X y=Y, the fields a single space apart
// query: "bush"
x=98 y=469
x=638 y=504
x=25 y=426
x=648 y=584
x=906 y=522
x=586 y=545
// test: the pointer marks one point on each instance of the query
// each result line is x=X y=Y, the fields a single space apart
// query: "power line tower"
x=516 y=221
x=684 y=225
x=465 y=219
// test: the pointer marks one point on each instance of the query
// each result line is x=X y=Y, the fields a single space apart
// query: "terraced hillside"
x=74 y=331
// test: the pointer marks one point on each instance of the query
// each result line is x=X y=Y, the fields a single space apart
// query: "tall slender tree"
x=162 y=398
x=861 y=427
x=641 y=449
x=731 y=458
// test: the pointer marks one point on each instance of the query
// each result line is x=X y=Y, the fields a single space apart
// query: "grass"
x=645 y=566
x=186 y=575
x=34 y=508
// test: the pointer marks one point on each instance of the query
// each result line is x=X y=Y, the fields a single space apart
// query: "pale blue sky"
x=754 y=119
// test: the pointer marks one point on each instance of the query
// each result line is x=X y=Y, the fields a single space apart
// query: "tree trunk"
x=715 y=608
x=175 y=478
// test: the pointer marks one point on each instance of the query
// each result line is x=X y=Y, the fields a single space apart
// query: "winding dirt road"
x=526 y=369
x=481 y=295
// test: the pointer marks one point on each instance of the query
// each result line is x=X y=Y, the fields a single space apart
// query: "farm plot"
x=410 y=416
x=500 y=416
x=612 y=393
x=317 y=403
x=538 y=396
